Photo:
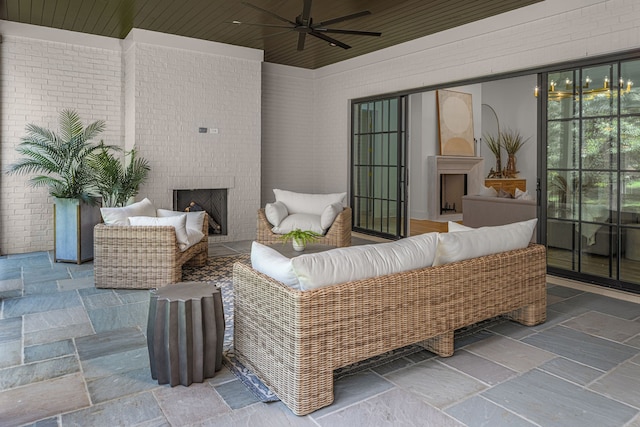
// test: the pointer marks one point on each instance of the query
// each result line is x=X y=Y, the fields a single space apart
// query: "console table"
x=507 y=184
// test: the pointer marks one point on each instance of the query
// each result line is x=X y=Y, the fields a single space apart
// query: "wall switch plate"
x=202 y=130
x=214 y=130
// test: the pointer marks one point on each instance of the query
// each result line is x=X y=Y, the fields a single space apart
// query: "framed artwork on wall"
x=455 y=123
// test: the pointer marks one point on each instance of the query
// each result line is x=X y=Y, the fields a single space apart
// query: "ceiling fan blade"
x=343 y=18
x=306 y=11
x=329 y=39
x=301 y=37
x=355 y=32
x=268 y=13
x=258 y=25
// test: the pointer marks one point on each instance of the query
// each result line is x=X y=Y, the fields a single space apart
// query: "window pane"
x=630 y=75
x=562 y=194
x=393 y=123
x=599 y=148
x=630 y=143
x=561 y=102
x=630 y=196
x=601 y=97
x=562 y=144
x=630 y=262
x=599 y=200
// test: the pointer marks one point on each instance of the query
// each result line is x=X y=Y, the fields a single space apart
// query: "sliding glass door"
x=592 y=131
x=378 y=167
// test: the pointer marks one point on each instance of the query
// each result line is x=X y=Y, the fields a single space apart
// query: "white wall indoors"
x=548 y=32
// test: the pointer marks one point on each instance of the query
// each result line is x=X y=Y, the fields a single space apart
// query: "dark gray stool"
x=185 y=332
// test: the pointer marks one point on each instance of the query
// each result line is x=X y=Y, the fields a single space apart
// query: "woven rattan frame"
x=339 y=234
x=293 y=340
x=142 y=257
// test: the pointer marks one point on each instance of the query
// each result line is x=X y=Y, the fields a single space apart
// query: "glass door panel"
x=593 y=173
x=378 y=167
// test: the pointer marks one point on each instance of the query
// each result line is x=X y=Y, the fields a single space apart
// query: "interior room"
x=411 y=304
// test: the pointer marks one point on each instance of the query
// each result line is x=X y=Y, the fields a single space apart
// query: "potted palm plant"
x=116 y=182
x=300 y=238
x=495 y=145
x=60 y=162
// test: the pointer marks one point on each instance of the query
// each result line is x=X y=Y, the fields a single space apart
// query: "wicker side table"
x=185 y=332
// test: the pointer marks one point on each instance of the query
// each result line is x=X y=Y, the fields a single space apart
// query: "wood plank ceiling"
x=398 y=21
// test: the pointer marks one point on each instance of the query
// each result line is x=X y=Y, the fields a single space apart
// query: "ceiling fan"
x=304 y=25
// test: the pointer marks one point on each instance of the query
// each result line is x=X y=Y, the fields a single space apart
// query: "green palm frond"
x=60 y=159
x=494 y=143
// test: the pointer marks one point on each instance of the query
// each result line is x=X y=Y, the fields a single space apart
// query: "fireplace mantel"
x=473 y=167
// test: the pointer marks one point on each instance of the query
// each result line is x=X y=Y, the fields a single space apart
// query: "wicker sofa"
x=339 y=234
x=143 y=257
x=294 y=340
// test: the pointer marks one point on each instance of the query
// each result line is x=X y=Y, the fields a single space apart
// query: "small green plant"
x=300 y=236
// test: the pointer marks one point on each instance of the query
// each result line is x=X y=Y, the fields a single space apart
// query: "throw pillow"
x=467 y=244
x=305 y=222
x=268 y=261
x=118 y=216
x=275 y=213
x=523 y=195
x=307 y=203
x=177 y=222
x=452 y=227
x=488 y=192
x=344 y=265
x=194 y=219
x=505 y=194
x=329 y=215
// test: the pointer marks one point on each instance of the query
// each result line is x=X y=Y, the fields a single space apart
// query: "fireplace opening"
x=452 y=187
x=214 y=201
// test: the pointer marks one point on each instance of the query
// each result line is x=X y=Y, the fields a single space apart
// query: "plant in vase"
x=300 y=238
x=512 y=141
x=60 y=160
x=495 y=145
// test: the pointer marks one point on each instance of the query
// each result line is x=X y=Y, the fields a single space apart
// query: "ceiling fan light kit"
x=304 y=25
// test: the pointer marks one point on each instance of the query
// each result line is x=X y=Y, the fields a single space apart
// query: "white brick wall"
x=152 y=96
x=40 y=78
x=178 y=91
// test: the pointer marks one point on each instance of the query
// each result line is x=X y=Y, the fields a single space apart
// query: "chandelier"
x=558 y=92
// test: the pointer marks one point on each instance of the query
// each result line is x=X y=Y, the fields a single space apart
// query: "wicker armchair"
x=339 y=234
x=143 y=257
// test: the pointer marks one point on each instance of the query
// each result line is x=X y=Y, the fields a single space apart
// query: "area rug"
x=220 y=271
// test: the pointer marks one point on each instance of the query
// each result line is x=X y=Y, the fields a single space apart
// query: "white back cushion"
x=118 y=216
x=461 y=243
x=268 y=261
x=361 y=262
x=307 y=203
x=194 y=219
x=177 y=222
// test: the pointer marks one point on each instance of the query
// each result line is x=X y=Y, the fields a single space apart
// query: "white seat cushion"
x=304 y=222
x=268 y=261
x=177 y=222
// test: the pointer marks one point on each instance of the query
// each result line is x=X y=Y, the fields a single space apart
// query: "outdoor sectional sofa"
x=294 y=339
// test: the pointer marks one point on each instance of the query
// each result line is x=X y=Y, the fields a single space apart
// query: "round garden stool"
x=185 y=332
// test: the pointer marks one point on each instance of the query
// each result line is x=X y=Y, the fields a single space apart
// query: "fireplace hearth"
x=214 y=201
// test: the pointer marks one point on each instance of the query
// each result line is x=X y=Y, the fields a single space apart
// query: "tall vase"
x=511 y=166
x=498 y=167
